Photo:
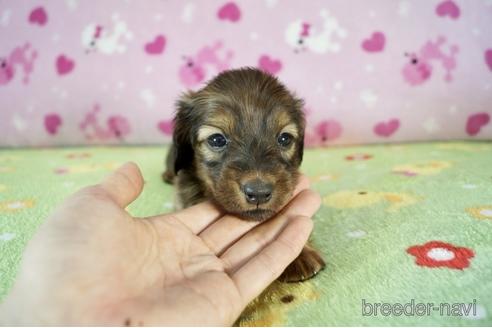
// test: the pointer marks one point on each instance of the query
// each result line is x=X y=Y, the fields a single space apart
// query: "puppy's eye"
x=217 y=141
x=285 y=139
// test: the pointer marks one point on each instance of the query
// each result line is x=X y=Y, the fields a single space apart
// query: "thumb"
x=124 y=185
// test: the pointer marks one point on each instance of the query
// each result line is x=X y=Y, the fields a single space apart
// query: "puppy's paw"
x=304 y=267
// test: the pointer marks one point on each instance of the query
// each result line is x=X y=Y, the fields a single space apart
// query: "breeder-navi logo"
x=418 y=309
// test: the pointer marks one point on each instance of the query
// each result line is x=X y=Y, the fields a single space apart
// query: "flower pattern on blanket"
x=362 y=198
x=273 y=305
x=481 y=212
x=6 y=169
x=462 y=146
x=86 y=168
x=16 y=205
x=434 y=254
x=426 y=246
x=422 y=168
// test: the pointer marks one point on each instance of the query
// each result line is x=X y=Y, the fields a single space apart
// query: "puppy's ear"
x=299 y=110
x=300 y=149
x=183 y=133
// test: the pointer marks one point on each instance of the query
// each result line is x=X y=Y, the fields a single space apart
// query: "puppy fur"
x=250 y=115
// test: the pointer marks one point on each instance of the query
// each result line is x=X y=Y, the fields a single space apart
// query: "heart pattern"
x=52 y=123
x=448 y=8
x=156 y=46
x=230 y=11
x=329 y=130
x=144 y=56
x=375 y=43
x=38 y=16
x=488 y=58
x=269 y=65
x=64 y=65
x=386 y=129
x=166 y=127
x=476 y=122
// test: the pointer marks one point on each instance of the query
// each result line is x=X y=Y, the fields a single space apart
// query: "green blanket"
x=400 y=225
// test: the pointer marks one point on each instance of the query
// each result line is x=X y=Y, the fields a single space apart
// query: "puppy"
x=239 y=142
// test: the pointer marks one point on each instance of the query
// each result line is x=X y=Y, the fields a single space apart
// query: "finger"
x=302 y=184
x=196 y=217
x=124 y=185
x=261 y=270
x=224 y=232
x=305 y=204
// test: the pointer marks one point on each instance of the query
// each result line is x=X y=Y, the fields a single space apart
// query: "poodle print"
x=420 y=66
x=108 y=41
x=194 y=70
x=20 y=58
x=117 y=126
x=303 y=36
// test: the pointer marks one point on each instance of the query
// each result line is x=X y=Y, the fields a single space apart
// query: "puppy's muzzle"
x=257 y=192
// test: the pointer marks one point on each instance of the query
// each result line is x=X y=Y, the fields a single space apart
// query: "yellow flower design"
x=7 y=169
x=356 y=199
x=463 y=146
x=85 y=168
x=8 y=158
x=324 y=177
x=15 y=205
x=272 y=306
x=482 y=212
x=423 y=168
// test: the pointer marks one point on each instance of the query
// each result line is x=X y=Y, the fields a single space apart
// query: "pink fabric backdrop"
x=76 y=72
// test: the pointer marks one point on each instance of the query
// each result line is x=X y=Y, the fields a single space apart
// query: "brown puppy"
x=239 y=142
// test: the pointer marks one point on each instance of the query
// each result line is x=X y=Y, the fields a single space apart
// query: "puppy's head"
x=242 y=136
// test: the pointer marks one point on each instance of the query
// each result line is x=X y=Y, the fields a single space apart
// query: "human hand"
x=92 y=263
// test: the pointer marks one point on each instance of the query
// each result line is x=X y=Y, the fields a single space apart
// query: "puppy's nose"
x=257 y=191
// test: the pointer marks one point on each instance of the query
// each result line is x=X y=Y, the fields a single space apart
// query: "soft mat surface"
x=401 y=224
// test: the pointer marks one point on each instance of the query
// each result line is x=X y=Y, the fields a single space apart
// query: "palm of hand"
x=178 y=268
